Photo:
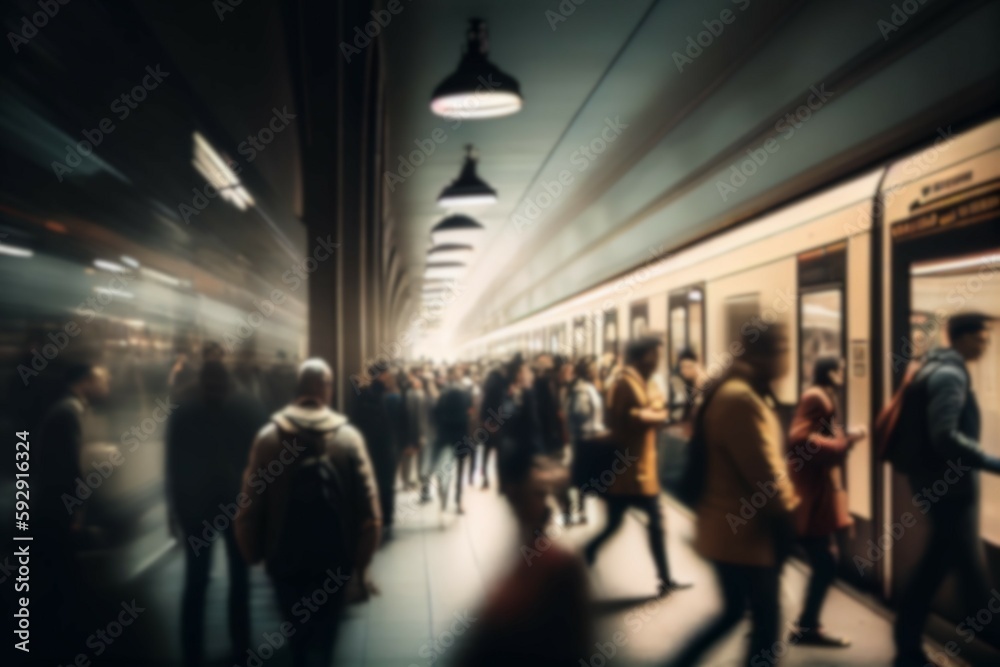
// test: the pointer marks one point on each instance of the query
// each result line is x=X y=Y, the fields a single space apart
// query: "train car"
x=869 y=270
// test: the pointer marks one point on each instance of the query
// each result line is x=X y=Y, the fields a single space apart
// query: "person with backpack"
x=818 y=445
x=934 y=439
x=208 y=438
x=310 y=510
x=740 y=434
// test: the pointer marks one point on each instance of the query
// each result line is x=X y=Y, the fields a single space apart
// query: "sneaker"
x=817 y=637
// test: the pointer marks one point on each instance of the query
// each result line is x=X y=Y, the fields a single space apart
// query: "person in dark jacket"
x=373 y=416
x=817 y=448
x=57 y=579
x=207 y=441
x=451 y=427
x=944 y=428
x=494 y=392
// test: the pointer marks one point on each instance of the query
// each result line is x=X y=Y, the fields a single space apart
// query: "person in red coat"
x=818 y=446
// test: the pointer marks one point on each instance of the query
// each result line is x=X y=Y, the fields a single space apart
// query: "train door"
x=946 y=260
x=685 y=335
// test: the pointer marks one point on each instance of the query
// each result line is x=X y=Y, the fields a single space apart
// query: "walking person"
x=315 y=523
x=584 y=411
x=744 y=452
x=538 y=613
x=374 y=418
x=417 y=407
x=818 y=476
x=939 y=427
x=494 y=391
x=451 y=426
x=633 y=419
x=208 y=438
x=58 y=580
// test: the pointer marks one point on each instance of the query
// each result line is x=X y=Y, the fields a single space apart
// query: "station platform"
x=439 y=566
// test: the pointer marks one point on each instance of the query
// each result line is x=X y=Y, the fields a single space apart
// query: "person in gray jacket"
x=941 y=421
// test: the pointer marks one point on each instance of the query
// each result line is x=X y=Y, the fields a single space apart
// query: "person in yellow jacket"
x=635 y=412
x=744 y=516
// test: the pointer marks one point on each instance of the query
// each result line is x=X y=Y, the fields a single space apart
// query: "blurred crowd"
x=260 y=462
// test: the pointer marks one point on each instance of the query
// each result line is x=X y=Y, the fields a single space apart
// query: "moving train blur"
x=178 y=173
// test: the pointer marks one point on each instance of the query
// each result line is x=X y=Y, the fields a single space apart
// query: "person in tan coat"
x=634 y=415
x=744 y=515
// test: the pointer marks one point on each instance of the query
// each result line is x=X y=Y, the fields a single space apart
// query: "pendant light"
x=468 y=189
x=477 y=88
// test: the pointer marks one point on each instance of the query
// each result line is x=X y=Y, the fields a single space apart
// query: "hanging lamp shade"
x=477 y=88
x=456 y=229
x=468 y=189
x=449 y=252
x=446 y=270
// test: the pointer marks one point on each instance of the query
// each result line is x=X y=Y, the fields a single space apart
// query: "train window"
x=821 y=328
x=821 y=276
x=638 y=319
x=557 y=339
x=610 y=330
x=686 y=323
x=939 y=288
x=740 y=309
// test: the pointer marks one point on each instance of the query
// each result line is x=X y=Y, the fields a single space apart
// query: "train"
x=868 y=269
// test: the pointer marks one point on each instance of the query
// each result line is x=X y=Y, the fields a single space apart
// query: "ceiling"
x=680 y=124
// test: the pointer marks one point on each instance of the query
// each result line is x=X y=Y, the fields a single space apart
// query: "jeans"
x=197 y=569
x=657 y=534
x=314 y=615
x=742 y=586
x=952 y=546
x=822 y=555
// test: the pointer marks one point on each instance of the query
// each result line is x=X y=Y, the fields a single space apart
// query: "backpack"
x=314 y=536
x=894 y=444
